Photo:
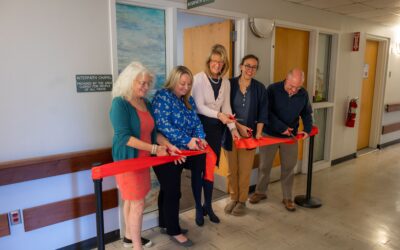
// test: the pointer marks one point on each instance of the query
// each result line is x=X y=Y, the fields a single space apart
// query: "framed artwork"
x=141 y=37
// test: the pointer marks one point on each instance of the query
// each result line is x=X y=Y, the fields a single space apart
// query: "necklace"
x=212 y=80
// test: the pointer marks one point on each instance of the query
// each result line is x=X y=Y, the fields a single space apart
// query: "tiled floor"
x=361 y=210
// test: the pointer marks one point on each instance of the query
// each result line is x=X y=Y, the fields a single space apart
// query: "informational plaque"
x=196 y=3
x=93 y=83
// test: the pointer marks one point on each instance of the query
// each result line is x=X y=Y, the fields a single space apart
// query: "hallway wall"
x=350 y=64
x=45 y=43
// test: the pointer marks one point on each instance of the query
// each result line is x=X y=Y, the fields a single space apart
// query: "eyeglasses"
x=143 y=83
x=217 y=62
x=249 y=67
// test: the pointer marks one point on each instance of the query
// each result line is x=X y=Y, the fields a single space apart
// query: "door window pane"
x=323 y=66
x=319 y=141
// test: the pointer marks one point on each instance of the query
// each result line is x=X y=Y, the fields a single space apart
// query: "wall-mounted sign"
x=93 y=83
x=366 y=71
x=356 y=41
x=197 y=3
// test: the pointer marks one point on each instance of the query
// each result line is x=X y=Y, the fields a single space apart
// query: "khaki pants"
x=240 y=162
x=288 y=157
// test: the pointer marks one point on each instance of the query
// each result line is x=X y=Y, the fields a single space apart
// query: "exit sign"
x=196 y=3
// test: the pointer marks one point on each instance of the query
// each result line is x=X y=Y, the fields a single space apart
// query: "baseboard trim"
x=343 y=159
x=92 y=242
x=387 y=144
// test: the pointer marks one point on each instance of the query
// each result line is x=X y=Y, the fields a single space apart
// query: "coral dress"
x=135 y=185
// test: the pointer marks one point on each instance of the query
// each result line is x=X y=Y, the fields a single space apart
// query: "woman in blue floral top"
x=176 y=119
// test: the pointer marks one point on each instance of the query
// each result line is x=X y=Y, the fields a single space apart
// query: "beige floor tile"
x=361 y=210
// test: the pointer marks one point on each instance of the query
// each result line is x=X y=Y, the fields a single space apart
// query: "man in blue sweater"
x=287 y=101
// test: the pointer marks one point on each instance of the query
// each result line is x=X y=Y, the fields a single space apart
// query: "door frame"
x=379 y=88
x=311 y=77
x=240 y=26
x=171 y=8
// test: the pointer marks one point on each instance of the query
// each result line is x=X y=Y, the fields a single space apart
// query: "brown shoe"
x=230 y=206
x=289 y=205
x=256 y=198
x=239 y=209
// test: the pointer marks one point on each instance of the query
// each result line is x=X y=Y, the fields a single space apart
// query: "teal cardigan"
x=125 y=122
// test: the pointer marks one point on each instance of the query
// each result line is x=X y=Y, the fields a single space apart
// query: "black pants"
x=196 y=164
x=169 y=177
x=214 y=130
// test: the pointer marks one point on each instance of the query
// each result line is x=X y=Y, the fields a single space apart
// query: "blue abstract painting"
x=141 y=37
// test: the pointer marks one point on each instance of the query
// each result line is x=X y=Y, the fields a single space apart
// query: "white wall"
x=392 y=96
x=43 y=45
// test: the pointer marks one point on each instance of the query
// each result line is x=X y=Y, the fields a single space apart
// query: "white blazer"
x=203 y=95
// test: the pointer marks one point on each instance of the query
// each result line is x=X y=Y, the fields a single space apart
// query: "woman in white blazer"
x=211 y=93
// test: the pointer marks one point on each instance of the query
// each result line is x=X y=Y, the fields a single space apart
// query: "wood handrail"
x=390 y=128
x=47 y=166
x=392 y=107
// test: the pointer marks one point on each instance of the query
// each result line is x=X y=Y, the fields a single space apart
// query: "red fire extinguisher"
x=351 y=113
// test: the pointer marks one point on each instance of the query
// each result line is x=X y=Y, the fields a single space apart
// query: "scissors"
x=233 y=117
x=292 y=136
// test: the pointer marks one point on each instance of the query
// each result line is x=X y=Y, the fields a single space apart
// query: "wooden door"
x=367 y=94
x=197 y=42
x=197 y=46
x=291 y=51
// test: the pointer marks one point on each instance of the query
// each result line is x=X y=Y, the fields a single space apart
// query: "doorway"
x=291 y=50
x=196 y=35
x=367 y=94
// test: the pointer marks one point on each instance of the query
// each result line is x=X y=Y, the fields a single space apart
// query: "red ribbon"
x=130 y=165
x=250 y=143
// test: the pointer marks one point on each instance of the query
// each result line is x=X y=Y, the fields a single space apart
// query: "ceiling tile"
x=372 y=13
x=383 y=3
x=296 y=1
x=387 y=19
x=349 y=9
x=324 y=4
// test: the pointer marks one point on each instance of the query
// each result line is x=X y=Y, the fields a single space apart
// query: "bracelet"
x=154 y=148
x=234 y=128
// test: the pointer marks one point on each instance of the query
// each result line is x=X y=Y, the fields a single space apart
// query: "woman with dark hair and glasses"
x=249 y=104
x=211 y=92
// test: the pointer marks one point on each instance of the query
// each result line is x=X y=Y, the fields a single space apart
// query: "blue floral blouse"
x=176 y=122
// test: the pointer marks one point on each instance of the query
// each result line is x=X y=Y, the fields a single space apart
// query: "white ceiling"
x=386 y=12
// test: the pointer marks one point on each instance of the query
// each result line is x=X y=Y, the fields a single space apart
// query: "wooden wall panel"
x=42 y=167
x=4 y=225
x=390 y=128
x=48 y=214
x=392 y=107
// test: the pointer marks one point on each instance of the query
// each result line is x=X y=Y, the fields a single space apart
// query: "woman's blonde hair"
x=124 y=84
x=220 y=50
x=174 y=78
